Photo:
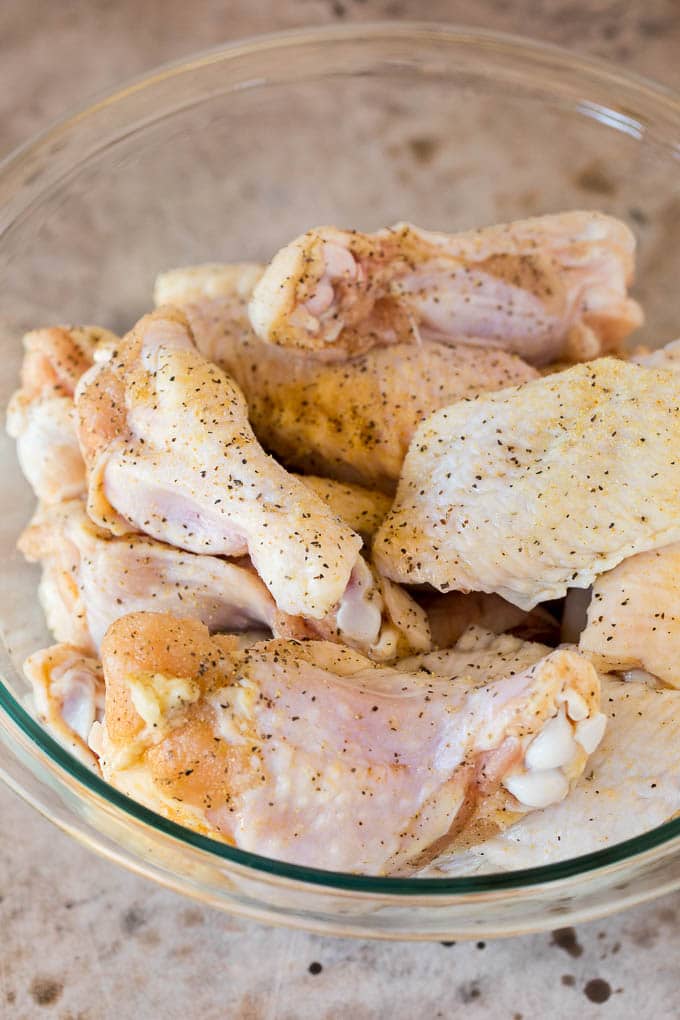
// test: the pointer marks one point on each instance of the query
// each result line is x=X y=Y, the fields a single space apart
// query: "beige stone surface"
x=80 y=938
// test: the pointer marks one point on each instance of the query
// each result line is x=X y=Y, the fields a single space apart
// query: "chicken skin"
x=233 y=281
x=362 y=509
x=87 y=582
x=550 y=288
x=91 y=578
x=351 y=421
x=634 y=616
x=630 y=785
x=665 y=357
x=40 y=415
x=307 y=752
x=68 y=692
x=300 y=533
x=541 y=487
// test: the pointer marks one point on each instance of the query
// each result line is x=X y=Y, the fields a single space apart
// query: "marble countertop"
x=81 y=939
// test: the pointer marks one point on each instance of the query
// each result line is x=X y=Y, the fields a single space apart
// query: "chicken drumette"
x=549 y=288
x=170 y=453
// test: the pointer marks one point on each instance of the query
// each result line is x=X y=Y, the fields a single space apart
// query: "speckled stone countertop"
x=83 y=940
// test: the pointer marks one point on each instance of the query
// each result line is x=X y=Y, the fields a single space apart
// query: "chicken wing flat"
x=629 y=786
x=541 y=487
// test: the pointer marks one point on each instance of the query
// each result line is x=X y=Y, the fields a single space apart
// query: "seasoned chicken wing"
x=170 y=453
x=68 y=691
x=169 y=450
x=541 y=487
x=362 y=509
x=307 y=752
x=40 y=415
x=91 y=578
x=352 y=421
x=225 y=280
x=630 y=785
x=634 y=616
x=548 y=288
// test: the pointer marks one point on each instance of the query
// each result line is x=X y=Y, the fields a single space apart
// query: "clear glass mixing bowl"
x=225 y=157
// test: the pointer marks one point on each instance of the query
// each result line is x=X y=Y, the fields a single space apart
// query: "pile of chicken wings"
x=369 y=559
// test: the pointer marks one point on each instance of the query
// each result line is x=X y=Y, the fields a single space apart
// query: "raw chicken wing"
x=40 y=415
x=630 y=785
x=541 y=487
x=233 y=281
x=68 y=691
x=634 y=616
x=91 y=578
x=549 y=288
x=307 y=752
x=170 y=453
x=352 y=421
x=169 y=450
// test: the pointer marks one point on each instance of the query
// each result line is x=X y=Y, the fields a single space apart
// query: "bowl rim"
x=596 y=70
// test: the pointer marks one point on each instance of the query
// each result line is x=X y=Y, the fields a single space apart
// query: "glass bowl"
x=225 y=157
